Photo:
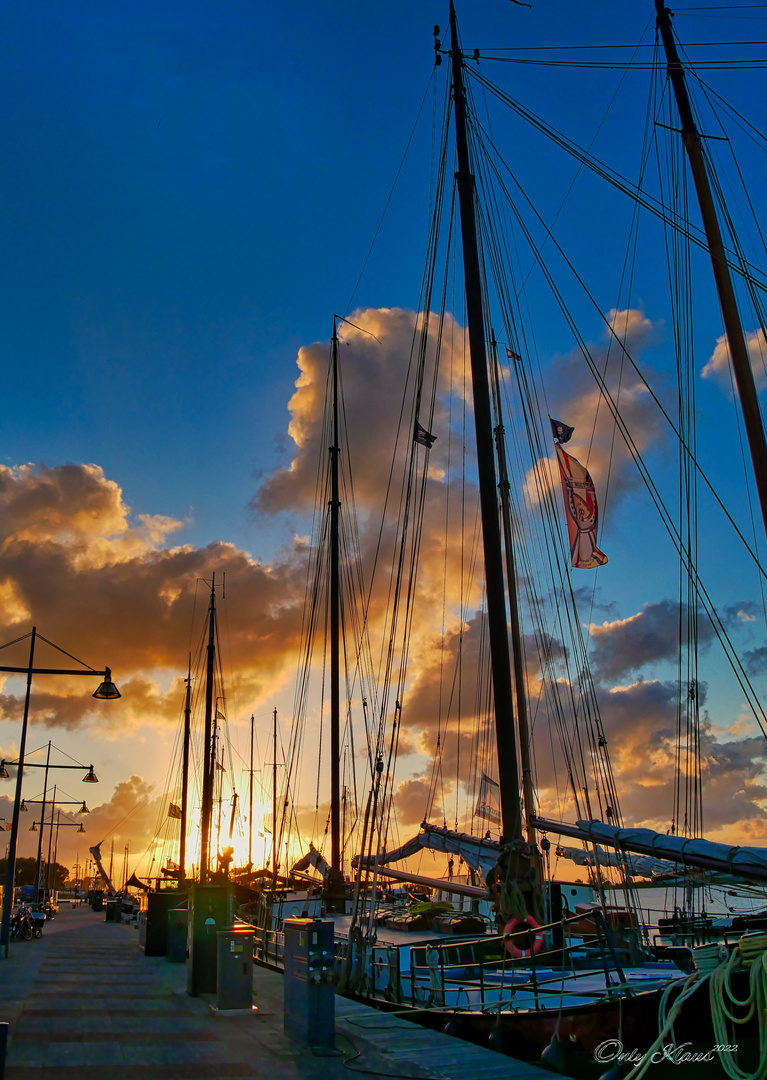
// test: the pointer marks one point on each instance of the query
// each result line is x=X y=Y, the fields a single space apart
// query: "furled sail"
x=480 y=854
x=96 y=853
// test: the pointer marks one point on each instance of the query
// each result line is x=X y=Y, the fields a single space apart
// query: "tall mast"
x=250 y=808
x=274 y=792
x=209 y=744
x=516 y=631
x=511 y=819
x=334 y=887
x=736 y=342
x=335 y=696
x=185 y=774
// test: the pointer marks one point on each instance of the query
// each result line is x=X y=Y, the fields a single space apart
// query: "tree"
x=25 y=872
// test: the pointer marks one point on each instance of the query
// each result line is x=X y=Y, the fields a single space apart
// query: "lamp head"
x=4 y=774
x=107 y=690
x=23 y=808
x=33 y=827
x=90 y=777
x=81 y=829
x=83 y=809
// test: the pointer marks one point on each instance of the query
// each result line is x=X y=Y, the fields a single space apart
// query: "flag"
x=219 y=715
x=512 y=355
x=488 y=799
x=423 y=437
x=174 y=811
x=582 y=512
x=562 y=432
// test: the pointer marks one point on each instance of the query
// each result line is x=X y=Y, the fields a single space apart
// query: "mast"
x=516 y=632
x=185 y=774
x=334 y=882
x=736 y=342
x=274 y=792
x=335 y=697
x=208 y=744
x=250 y=807
x=511 y=819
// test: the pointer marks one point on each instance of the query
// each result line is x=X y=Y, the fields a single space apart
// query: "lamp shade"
x=4 y=774
x=107 y=690
x=33 y=827
x=90 y=777
x=23 y=808
x=81 y=829
x=83 y=809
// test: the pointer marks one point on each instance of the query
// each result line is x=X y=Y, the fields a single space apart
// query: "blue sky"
x=190 y=191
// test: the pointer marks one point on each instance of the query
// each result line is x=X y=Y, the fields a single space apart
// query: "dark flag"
x=562 y=432
x=424 y=437
x=174 y=811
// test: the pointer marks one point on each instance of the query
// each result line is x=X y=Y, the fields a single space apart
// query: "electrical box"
x=158 y=904
x=310 y=1005
x=178 y=923
x=98 y=900
x=234 y=969
x=211 y=908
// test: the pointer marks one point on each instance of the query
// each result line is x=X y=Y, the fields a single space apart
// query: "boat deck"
x=84 y=1003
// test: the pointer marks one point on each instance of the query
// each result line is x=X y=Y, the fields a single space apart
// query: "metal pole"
x=42 y=819
x=10 y=874
x=335 y=695
x=50 y=844
x=250 y=809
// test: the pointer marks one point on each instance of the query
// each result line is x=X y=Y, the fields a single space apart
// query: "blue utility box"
x=211 y=908
x=310 y=1003
x=234 y=970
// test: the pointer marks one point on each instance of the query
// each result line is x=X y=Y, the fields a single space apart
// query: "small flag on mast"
x=174 y=811
x=562 y=432
x=424 y=437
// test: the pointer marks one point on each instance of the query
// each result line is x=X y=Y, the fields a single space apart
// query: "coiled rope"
x=751 y=952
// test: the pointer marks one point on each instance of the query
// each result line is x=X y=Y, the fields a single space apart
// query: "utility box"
x=178 y=928
x=211 y=908
x=158 y=904
x=98 y=900
x=234 y=969
x=310 y=1004
x=113 y=909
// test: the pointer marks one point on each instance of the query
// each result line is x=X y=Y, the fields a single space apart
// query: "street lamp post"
x=107 y=690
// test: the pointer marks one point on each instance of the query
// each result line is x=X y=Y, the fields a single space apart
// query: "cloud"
x=717 y=367
x=650 y=636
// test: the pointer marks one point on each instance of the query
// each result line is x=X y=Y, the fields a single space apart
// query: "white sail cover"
x=641 y=865
x=743 y=861
x=480 y=854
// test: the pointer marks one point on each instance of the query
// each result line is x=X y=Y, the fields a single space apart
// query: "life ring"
x=515 y=926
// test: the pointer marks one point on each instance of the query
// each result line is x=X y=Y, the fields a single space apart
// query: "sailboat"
x=504 y=986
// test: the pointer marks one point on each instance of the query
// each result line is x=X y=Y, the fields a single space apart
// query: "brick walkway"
x=84 y=1003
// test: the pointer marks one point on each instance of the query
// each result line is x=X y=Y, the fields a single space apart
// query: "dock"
x=84 y=1003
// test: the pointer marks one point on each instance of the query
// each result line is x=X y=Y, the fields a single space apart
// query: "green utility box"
x=178 y=923
x=158 y=904
x=211 y=908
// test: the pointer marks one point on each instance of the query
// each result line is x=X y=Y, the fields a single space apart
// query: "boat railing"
x=442 y=973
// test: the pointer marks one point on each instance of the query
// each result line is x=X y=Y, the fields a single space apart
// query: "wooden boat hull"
x=593 y=1037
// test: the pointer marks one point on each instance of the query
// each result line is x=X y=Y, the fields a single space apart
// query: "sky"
x=189 y=193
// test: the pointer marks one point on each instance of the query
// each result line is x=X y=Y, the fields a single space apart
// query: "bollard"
x=3 y=1047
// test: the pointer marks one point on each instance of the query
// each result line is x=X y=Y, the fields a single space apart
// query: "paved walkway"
x=84 y=1003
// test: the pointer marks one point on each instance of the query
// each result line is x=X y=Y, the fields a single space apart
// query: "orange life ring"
x=515 y=926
